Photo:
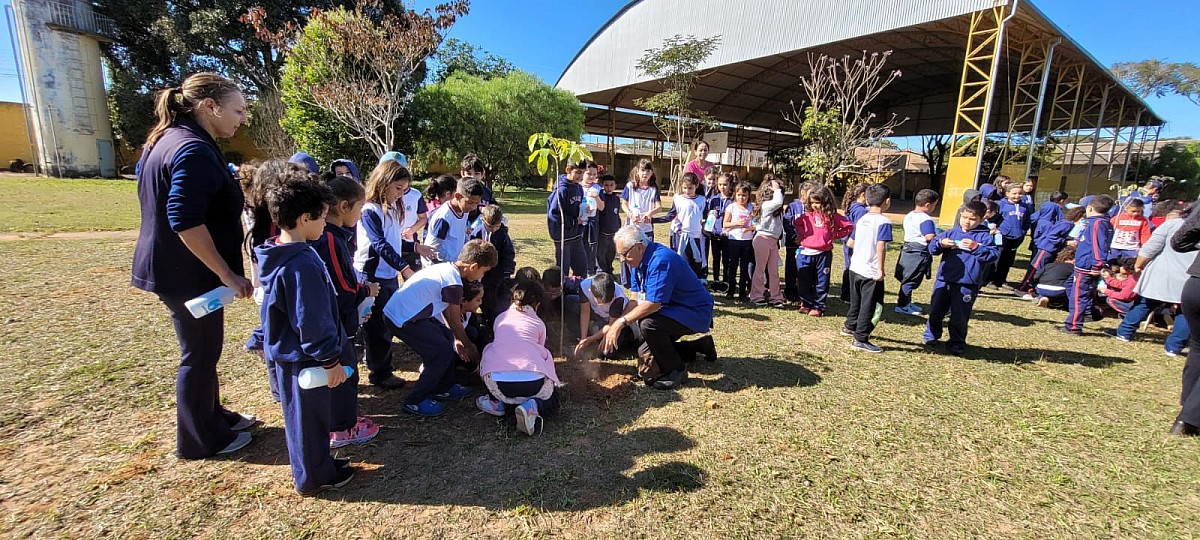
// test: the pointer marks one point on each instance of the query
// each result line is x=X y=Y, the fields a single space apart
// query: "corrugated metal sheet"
x=749 y=29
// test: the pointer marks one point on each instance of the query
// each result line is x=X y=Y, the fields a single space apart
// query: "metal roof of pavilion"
x=754 y=74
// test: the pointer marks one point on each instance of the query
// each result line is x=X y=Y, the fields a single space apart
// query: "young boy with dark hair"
x=914 y=262
x=1090 y=256
x=1131 y=230
x=448 y=224
x=416 y=313
x=302 y=328
x=966 y=250
x=1015 y=216
x=609 y=222
x=472 y=166
x=565 y=219
x=606 y=303
x=869 y=242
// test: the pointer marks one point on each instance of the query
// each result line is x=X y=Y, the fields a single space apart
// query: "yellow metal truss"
x=975 y=90
x=1026 y=92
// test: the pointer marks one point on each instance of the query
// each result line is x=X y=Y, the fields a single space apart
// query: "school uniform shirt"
x=300 y=321
x=377 y=254
x=447 y=232
x=334 y=251
x=414 y=206
x=666 y=278
x=817 y=232
x=592 y=195
x=916 y=226
x=598 y=309
x=425 y=294
x=1093 y=248
x=610 y=217
x=640 y=201
x=562 y=211
x=870 y=229
x=688 y=212
x=1130 y=232
x=962 y=265
x=1014 y=219
x=738 y=218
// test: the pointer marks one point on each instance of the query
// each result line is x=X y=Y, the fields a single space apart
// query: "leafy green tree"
x=356 y=65
x=1158 y=78
x=457 y=56
x=491 y=118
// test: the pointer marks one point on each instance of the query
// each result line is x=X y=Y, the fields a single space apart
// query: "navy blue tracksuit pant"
x=343 y=400
x=202 y=425
x=1040 y=259
x=1081 y=290
x=434 y=343
x=791 y=292
x=571 y=257
x=377 y=340
x=957 y=299
x=591 y=237
x=305 y=426
x=812 y=278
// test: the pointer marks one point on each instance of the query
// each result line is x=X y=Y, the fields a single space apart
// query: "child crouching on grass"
x=967 y=250
x=302 y=328
x=517 y=369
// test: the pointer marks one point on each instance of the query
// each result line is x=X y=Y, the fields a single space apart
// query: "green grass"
x=49 y=205
x=1032 y=435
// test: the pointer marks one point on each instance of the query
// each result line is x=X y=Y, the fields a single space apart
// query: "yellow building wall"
x=14 y=138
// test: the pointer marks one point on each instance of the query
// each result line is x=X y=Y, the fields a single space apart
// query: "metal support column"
x=1096 y=139
x=1064 y=115
x=1137 y=122
x=985 y=40
x=1041 y=105
x=1024 y=109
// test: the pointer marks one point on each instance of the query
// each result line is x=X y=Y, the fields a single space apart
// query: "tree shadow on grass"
x=736 y=374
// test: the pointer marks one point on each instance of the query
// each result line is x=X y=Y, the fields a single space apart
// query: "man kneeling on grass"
x=672 y=303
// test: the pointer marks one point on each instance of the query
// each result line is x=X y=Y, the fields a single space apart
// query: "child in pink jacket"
x=816 y=229
x=516 y=367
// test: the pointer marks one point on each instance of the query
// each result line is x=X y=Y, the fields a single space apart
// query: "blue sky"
x=541 y=36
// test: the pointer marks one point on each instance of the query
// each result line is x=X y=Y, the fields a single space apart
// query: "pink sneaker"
x=363 y=431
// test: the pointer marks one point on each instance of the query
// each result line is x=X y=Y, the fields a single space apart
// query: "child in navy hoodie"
x=1050 y=241
x=346 y=427
x=1090 y=256
x=302 y=328
x=564 y=220
x=1015 y=218
x=966 y=251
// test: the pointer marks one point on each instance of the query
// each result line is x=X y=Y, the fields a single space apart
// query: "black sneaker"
x=718 y=286
x=671 y=381
x=1068 y=331
x=956 y=349
x=846 y=331
x=341 y=462
x=866 y=346
x=389 y=382
x=341 y=477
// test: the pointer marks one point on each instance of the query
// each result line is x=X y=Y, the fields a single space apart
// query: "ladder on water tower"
x=75 y=70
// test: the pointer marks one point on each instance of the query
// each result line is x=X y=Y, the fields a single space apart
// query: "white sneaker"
x=488 y=405
x=245 y=422
x=238 y=443
x=1027 y=296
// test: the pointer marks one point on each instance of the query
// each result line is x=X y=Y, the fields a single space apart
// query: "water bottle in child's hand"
x=315 y=377
x=210 y=301
x=364 y=308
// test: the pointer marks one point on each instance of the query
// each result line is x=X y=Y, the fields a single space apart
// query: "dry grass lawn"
x=790 y=434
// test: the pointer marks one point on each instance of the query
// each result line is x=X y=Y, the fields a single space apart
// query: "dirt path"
x=80 y=235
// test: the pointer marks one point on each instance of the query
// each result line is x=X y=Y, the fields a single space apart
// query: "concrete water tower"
x=63 y=83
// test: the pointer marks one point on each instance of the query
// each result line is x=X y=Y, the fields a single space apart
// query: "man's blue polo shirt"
x=665 y=277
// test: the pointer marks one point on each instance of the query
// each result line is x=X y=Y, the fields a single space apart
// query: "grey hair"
x=630 y=235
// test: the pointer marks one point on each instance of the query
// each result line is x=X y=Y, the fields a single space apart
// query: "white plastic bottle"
x=315 y=377
x=210 y=301
x=364 y=308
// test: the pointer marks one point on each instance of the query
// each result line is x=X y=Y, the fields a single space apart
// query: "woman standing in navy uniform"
x=190 y=242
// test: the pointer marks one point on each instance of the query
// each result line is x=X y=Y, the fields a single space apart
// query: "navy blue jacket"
x=1092 y=250
x=1052 y=238
x=610 y=217
x=1015 y=219
x=299 y=314
x=960 y=265
x=506 y=263
x=1049 y=214
x=183 y=182
x=349 y=165
x=793 y=210
x=306 y=161
x=380 y=248
x=562 y=208
x=334 y=249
